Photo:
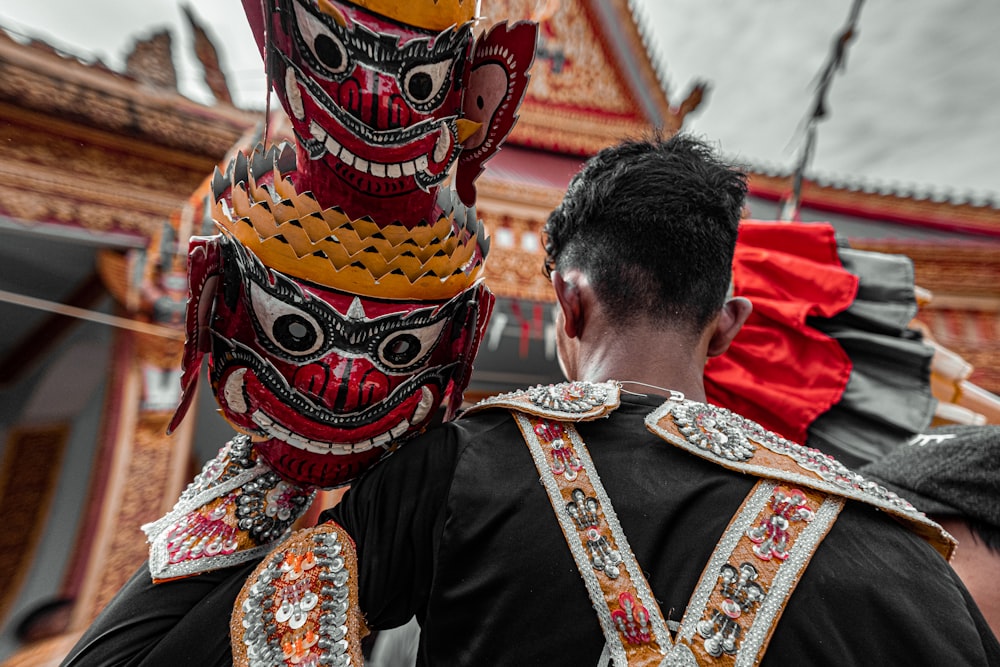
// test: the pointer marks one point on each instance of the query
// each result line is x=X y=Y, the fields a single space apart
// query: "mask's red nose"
x=374 y=99
x=345 y=386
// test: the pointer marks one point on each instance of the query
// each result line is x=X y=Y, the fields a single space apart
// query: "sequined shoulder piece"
x=300 y=606
x=738 y=443
x=234 y=511
x=567 y=401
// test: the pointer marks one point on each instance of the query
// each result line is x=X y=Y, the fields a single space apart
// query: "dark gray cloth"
x=888 y=396
x=946 y=471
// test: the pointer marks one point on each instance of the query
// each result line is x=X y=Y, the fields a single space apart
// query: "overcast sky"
x=917 y=106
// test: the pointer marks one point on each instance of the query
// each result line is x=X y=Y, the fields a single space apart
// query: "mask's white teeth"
x=424 y=406
x=233 y=392
x=380 y=169
x=347 y=157
x=443 y=144
x=294 y=95
x=400 y=429
x=332 y=146
x=279 y=432
x=317 y=132
x=381 y=439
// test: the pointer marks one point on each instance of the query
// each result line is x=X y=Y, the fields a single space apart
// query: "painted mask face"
x=382 y=109
x=375 y=104
x=327 y=382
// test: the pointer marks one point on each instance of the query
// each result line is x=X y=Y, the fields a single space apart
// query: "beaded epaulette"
x=737 y=443
x=234 y=511
x=300 y=606
x=566 y=401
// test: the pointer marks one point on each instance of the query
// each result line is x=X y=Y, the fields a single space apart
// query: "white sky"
x=918 y=104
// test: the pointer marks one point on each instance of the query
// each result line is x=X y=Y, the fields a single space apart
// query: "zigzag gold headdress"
x=289 y=232
x=427 y=14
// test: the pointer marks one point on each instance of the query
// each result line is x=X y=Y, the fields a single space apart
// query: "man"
x=455 y=528
x=628 y=550
x=953 y=474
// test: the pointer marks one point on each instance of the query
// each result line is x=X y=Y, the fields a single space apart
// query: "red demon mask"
x=325 y=382
x=382 y=109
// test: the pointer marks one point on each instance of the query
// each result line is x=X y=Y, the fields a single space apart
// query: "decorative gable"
x=593 y=81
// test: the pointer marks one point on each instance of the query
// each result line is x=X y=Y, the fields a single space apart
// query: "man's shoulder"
x=710 y=432
x=740 y=444
x=875 y=593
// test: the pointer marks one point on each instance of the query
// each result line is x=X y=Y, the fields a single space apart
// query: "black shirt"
x=456 y=529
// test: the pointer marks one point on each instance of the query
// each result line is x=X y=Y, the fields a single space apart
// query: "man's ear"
x=570 y=302
x=731 y=319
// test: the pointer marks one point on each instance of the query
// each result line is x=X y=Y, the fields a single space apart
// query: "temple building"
x=95 y=185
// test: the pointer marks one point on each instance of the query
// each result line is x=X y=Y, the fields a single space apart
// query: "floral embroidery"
x=770 y=536
x=631 y=619
x=583 y=510
x=232 y=512
x=741 y=593
x=712 y=429
x=296 y=611
x=564 y=461
x=732 y=437
x=202 y=534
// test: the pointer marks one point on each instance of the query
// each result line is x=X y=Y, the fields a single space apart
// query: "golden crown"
x=427 y=14
x=289 y=232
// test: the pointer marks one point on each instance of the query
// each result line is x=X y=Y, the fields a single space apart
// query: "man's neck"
x=658 y=362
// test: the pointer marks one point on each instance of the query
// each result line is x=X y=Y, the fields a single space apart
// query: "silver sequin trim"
x=584 y=396
x=628 y=557
x=260 y=628
x=680 y=656
x=711 y=429
x=209 y=484
x=614 y=646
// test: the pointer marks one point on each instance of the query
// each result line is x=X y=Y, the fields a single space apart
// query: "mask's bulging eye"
x=424 y=85
x=409 y=348
x=294 y=332
x=401 y=349
x=325 y=50
x=291 y=330
x=330 y=52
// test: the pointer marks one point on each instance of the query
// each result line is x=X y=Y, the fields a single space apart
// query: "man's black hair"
x=984 y=532
x=652 y=223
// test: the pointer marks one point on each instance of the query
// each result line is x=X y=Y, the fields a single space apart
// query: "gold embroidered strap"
x=753 y=571
x=743 y=589
x=628 y=613
x=300 y=606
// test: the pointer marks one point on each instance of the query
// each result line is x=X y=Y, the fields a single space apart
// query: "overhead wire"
x=835 y=62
